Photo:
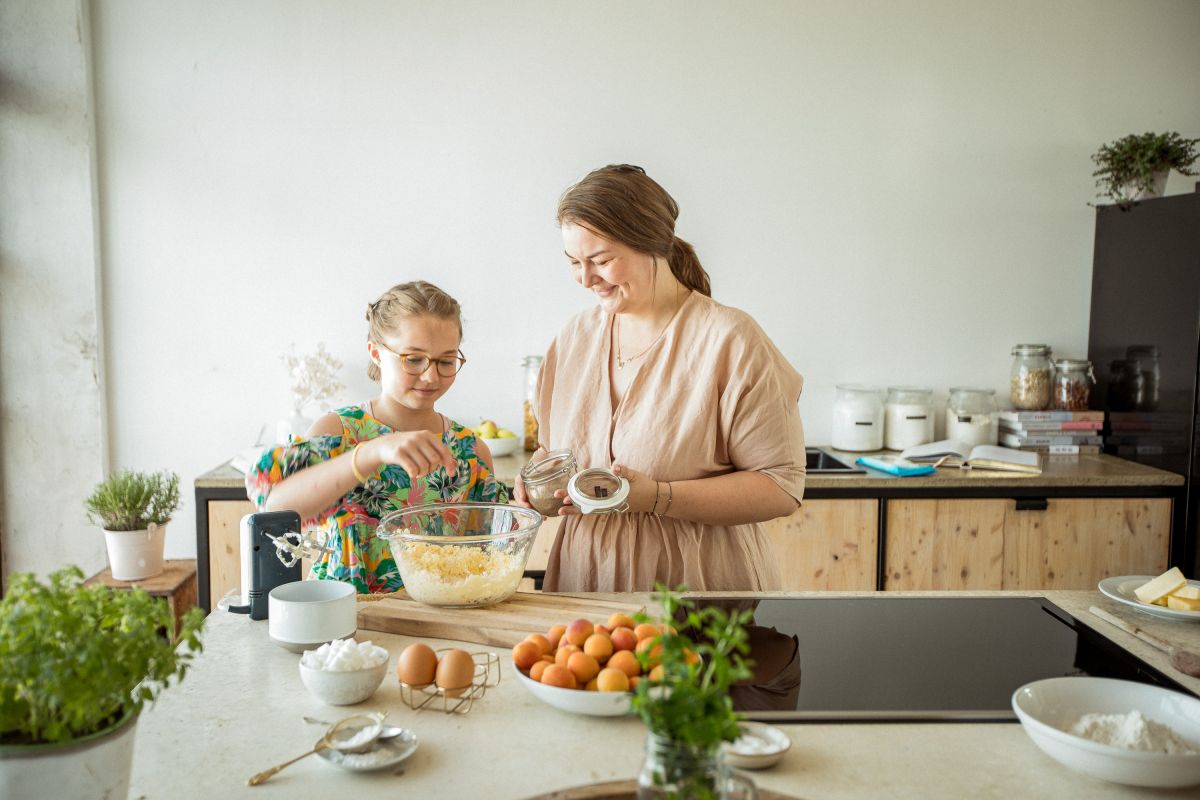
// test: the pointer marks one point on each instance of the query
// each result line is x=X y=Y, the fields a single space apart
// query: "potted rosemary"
x=685 y=702
x=77 y=665
x=134 y=508
x=1135 y=167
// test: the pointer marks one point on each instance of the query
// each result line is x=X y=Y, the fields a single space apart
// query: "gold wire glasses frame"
x=417 y=363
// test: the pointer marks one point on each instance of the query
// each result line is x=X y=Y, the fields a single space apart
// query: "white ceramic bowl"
x=345 y=688
x=1046 y=707
x=578 y=701
x=303 y=615
x=503 y=447
x=772 y=742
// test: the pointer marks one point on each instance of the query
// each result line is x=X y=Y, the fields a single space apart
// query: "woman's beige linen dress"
x=712 y=396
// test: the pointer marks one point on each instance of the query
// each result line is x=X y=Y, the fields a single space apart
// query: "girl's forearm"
x=738 y=498
x=314 y=489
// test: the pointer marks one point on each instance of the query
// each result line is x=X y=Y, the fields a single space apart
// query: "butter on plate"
x=1152 y=591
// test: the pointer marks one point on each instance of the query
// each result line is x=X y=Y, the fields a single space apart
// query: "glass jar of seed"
x=1029 y=380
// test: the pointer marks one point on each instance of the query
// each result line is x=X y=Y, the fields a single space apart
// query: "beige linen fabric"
x=712 y=396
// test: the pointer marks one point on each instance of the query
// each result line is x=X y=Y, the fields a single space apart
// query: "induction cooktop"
x=905 y=659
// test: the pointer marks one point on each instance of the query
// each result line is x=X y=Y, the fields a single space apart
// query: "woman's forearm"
x=314 y=489
x=734 y=499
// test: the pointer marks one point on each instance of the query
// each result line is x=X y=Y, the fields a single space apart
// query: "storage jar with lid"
x=1029 y=381
x=544 y=477
x=1073 y=382
x=971 y=416
x=857 y=418
x=908 y=417
x=1144 y=358
x=1126 y=385
x=533 y=366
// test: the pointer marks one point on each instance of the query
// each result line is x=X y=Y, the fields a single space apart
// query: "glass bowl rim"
x=531 y=526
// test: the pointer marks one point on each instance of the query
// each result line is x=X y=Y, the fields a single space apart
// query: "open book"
x=985 y=456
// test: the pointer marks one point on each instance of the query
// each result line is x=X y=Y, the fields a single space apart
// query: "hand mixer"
x=271 y=548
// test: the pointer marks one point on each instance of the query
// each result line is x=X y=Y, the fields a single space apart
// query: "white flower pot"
x=136 y=555
x=96 y=766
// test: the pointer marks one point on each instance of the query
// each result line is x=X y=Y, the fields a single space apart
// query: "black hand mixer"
x=271 y=548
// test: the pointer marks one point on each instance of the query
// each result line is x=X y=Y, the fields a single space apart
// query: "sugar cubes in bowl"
x=343 y=672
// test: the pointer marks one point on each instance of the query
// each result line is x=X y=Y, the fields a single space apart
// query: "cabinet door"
x=945 y=544
x=541 y=545
x=827 y=544
x=224 y=546
x=1076 y=542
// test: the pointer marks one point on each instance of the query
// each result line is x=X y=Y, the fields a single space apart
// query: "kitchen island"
x=240 y=711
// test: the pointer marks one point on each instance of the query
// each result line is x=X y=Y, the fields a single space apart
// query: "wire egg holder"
x=486 y=676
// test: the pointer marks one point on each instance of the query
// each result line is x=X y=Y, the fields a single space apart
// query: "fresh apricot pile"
x=596 y=658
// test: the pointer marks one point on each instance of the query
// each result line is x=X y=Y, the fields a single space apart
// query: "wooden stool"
x=176 y=584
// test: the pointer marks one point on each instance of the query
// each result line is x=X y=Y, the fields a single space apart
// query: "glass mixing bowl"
x=461 y=555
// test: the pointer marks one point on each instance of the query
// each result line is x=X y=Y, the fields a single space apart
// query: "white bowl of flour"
x=1120 y=731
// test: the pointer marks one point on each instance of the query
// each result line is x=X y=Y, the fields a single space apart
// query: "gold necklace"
x=621 y=362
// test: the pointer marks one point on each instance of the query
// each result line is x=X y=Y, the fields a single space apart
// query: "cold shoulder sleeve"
x=283 y=461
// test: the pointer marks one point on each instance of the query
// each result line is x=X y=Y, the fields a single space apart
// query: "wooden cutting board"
x=501 y=625
x=627 y=790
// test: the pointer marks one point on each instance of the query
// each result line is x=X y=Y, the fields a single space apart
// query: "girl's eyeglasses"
x=417 y=363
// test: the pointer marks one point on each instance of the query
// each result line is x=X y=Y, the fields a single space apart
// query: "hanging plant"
x=1127 y=167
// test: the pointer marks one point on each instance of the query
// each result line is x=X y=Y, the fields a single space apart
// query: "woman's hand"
x=417 y=452
x=643 y=490
x=520 y=496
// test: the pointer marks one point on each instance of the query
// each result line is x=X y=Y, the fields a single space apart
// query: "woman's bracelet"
x=670 y=497
x=354 y=464
x=657 y=493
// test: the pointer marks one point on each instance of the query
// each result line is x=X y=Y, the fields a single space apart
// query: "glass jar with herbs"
x=1073 y=382
x=1029 y=380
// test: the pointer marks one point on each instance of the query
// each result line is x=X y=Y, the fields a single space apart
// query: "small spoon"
x=1185 y=661
x=388 y=731
x=338 y=737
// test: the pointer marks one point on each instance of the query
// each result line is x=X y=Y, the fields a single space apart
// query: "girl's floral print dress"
x=348 y=528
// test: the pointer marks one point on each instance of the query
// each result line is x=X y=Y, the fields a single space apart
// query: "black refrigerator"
x=1144 y=344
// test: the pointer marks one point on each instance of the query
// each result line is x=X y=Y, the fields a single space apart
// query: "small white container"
x=857 y=418
x=303 y=615
x=908 y=417
x=345 y=688
x=971 y=416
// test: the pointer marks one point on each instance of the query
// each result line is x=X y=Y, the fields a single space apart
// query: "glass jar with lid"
x=1144 y=358
x=1029 y=380
x=1126 y=385
x=546 y=476
x=857 y=418
x=533 y=366
x=1073 y=382
x=908 y=417
x=971 y=416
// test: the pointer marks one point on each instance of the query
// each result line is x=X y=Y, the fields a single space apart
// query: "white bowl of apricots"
x=585 y=668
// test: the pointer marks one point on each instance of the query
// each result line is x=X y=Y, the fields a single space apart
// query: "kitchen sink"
x=817 y=461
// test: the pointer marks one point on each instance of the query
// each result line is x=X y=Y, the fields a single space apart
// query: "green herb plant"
x=1126 y=167
x=77 y=659
x=130 y=501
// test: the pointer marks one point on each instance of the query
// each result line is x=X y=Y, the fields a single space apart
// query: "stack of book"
x=1052 y=432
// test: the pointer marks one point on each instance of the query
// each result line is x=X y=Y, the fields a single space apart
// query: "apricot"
x=593 y=685
x=612 y=680
x=579 y=631
x=691 y=656
x=555 y=635
x=602 y=629
x=564 y=652
x=599 y=647
x=525 y=654
x=623 y=639
x=539 y=667
x=625 y=661
x=652 y=649
x=620 y=620
x=583 y=667
x=554 y=675
x=542 y=642
x=657 y=674
x=645 y=631
x=634 y=681
x=548 y=657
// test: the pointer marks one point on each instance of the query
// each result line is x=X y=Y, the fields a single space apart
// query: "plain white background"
x=897 y=192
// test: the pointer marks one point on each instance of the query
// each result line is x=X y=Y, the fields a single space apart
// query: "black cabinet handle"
x=1032 y=503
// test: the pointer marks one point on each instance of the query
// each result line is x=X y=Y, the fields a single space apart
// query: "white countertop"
x=239 y=712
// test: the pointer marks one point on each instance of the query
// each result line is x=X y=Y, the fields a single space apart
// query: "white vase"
x=295 y=425
x=96 y=766
x=136 y=555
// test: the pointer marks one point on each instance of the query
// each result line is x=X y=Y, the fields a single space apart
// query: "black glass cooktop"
x=916 y=658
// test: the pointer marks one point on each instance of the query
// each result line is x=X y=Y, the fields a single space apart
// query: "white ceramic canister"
x=303 y=615
x=857 y=418
x=971 y=416
x=908 y=417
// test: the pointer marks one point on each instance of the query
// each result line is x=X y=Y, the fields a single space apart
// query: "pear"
x=505 y=433
x=487 y=429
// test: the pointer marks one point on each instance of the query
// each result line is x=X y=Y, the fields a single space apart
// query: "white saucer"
x=386 y=753
x=1121 y=589
x=772 y=741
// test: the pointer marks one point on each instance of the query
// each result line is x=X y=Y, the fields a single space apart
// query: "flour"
x=1131 y=731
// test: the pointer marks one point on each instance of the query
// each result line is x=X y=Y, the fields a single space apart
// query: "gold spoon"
x=1185 y=661
x=336 y=738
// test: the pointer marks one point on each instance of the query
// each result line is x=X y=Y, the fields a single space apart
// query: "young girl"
x=360 y=462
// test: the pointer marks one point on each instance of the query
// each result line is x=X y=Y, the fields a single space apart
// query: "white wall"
x=896 y=191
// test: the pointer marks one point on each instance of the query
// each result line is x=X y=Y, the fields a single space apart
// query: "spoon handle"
x=1132 y=629
x=262 y=776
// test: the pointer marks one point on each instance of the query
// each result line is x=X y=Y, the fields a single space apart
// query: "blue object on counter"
x=895 y=465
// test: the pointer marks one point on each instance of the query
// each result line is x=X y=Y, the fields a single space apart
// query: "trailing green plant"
x=76 y=659
x=130 y=501
x=1126 y=167
x=690 y=704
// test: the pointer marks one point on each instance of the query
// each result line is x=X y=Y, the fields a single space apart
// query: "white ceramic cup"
x=302 y=615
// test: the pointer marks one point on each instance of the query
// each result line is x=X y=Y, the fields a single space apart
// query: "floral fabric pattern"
x=348 y=528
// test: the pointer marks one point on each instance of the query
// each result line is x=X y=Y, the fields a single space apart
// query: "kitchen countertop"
x=239 y=712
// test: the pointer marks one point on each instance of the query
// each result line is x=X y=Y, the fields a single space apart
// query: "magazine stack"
x=1052 y=432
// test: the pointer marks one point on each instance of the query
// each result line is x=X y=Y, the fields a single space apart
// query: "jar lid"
x=1073 y=363
x=597 y=490
x=971 y=390
x=556 y=464
x=1150 y=350
x=530 y=361
x=1031 y=350
x=858 y=387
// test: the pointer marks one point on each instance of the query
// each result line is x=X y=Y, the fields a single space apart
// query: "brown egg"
x=416 y=665
x=455 y=672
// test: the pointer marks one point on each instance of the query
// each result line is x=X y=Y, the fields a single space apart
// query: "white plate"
x=578 y=701
x=386 y=753
x=1121 y=589
x=773 y=742
x=1045 y=707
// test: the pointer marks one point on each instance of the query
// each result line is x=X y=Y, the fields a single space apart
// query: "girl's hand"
x=417 y=452
x=643 y=490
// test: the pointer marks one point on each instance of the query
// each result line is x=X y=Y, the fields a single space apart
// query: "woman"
x=684 y=397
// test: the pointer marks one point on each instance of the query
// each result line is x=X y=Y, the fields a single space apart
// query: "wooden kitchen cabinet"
x=1059 y=543
x=224 y=546
x=827 y=544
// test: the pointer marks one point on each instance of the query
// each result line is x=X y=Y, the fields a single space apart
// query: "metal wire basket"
x=487 y=675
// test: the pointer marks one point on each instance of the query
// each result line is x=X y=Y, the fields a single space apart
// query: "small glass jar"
x=908 y=417
x=857 y=418
x=675 y=770
x=1073 y=382
x=544 y=477
x=971 y=416
x=1029 y=380
x=1126 y=385
x=1144 y=358
x=533 y=367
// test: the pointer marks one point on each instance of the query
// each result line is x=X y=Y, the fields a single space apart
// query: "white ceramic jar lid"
x=597 y=491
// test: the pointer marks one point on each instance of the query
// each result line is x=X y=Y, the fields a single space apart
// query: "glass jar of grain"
x=1029 y=380
x=1073 y=382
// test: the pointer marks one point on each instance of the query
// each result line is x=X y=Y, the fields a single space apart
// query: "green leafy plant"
x=130 y=501
x=1126 y=167
x=77 y=659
